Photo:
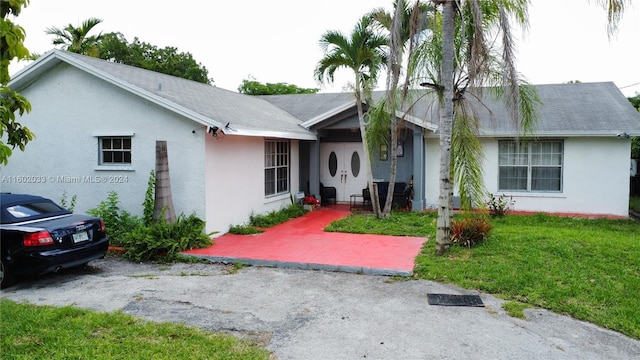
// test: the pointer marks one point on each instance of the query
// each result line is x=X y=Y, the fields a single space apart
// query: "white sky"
x=277 y=40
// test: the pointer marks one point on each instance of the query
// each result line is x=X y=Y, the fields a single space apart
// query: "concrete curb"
x=306 y=266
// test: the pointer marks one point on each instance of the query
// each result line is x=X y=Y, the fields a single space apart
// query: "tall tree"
x=615 y=10
x=445 y=200
x=403 y=27
x=459 y=62
x=253 y=87
x=77 y=39
x=11 y=102
x=363 y=52
x=114 y=47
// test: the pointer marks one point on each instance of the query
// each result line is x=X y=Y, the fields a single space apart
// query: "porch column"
x=314 y=168
x=419 y=158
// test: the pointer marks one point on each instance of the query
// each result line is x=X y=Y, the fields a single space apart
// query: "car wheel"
x=6 y=279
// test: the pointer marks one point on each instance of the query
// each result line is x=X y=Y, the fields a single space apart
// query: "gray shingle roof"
x=582 y=109
x=203 y=103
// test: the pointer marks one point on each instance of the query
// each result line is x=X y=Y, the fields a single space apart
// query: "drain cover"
x=454 y=300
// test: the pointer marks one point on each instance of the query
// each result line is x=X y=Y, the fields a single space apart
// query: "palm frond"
x=467 y=155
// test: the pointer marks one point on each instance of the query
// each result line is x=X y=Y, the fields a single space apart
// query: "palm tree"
x=451 y=82
x=458 y=62
x=403 y=26
x=363 y=53
x=615 y=9
x=75 y=39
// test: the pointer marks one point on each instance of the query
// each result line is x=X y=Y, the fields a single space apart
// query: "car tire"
x=6 y=279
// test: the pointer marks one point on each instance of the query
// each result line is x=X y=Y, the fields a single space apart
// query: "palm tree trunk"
x=164 y=201
x=393 y=77
x=445 y=200
x=375 y=199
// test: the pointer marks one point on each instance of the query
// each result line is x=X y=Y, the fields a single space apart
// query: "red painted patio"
x=301 y=243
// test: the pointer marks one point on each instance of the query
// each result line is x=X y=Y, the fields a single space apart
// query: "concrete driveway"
x=302 y=314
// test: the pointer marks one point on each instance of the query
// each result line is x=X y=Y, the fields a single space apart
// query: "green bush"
x=244 y=230
x=499 y=206
x=277 y=217
x=117 y=222
x=470 y=230
x=149 y=199
x=163 y=241
x=256 y=222
x=144 y=239
x=71 y=205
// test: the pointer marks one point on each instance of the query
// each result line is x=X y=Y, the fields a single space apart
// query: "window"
x=533 y=166
x=276 y=167
x=115 y=150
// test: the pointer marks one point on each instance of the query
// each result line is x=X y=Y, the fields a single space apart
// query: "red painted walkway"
x=301 y=243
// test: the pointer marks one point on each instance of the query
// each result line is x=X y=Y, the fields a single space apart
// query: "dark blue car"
x=38 y=236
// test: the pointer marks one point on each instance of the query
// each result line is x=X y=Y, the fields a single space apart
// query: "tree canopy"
x=77 y=39
x=114 y=47
x=253 y=87
x=168 y=60
x=11 y=102
x=363 y=53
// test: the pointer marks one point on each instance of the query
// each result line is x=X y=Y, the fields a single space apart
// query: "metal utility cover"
x=454 y=300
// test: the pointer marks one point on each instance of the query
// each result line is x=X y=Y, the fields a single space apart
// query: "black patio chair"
x=327 y=193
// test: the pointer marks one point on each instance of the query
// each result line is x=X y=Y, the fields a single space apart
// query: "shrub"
x=276 y=217
x=71 y=205
x=144 y=239
x=244 y=230
x=163 y=241
x=499 y=206
x=149 y=199
x=256 y=222
x=117 y=222
x=470 y=231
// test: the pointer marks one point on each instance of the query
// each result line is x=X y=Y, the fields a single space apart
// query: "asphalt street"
x=303 y=314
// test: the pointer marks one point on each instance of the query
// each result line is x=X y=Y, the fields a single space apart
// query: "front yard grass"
x=585 y=268
x=45 y=332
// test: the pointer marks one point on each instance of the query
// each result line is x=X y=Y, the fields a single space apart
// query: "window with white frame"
x=276 y=167
x=531 y=166
x=115 y=150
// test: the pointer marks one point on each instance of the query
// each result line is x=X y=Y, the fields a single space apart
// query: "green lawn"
x=44 y=332
x=588 y=269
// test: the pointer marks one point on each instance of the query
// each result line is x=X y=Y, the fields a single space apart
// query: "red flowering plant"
x=311 y=200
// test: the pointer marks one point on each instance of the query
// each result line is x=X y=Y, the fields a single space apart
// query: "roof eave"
x=335 y=111
x=272 y=134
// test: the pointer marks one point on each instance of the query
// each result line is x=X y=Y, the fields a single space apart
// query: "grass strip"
x=45 y=332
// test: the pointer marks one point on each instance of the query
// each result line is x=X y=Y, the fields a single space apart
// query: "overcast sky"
x=277 y=40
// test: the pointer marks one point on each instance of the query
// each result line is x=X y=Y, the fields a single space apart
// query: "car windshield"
x=22 y=211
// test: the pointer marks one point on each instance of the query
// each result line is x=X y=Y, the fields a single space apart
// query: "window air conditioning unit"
x=634 y=167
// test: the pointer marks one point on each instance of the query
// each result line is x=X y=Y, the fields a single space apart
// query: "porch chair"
x=326 y=193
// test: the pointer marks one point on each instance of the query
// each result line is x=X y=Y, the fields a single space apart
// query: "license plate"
x=80 y=237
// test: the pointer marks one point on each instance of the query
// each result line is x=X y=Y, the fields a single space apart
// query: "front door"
x=342 y=166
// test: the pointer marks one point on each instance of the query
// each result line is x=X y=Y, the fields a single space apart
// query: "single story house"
x=578 y=162
x=232 y=155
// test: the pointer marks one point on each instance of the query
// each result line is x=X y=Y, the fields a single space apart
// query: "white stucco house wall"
x=80 y=102
x=589 y=124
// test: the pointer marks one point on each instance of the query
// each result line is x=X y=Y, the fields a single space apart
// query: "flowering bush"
x=311 y=200
x=470 y=231
x=500 y=206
